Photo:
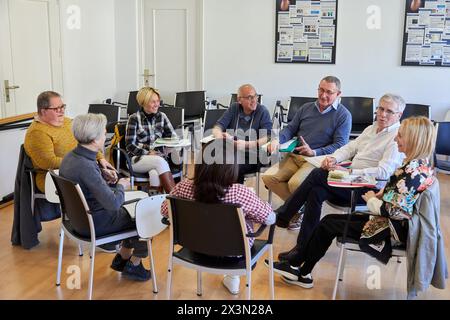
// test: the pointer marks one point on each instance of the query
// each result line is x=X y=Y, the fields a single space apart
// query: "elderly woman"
x=105 y=202
x=143 y=128
x=390 y=209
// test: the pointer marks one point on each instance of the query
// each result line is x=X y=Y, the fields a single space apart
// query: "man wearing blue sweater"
x=322 y=127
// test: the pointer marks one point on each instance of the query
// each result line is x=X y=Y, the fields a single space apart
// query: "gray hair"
x=332 y=79
x=241 y=88
x=88 y=127
x=399 y=101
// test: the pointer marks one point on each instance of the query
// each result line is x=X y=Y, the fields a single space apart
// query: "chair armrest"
x=127 y=159
x=165 y=220
x=260 y=231
x=119 y=103
x=131 y=201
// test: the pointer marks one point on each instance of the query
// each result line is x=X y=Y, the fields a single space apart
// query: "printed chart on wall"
x=426 y=40
x=306 y=31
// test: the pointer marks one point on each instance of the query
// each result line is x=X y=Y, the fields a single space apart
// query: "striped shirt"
x=143 y=130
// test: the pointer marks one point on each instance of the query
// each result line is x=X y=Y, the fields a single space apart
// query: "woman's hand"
x=369 y=195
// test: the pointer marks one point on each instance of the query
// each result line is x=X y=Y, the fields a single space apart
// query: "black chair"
x=214 y=239
x=211 y=117
x=234 y=98
x=76 y=216
x=295 y=104
x=132 y=106
x=442 y=150
x=175 y=115
x=362 y=111
x=193 y=103
x=412 y=109
x=112 y=113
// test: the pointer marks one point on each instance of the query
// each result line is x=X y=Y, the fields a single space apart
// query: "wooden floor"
x=31 y=274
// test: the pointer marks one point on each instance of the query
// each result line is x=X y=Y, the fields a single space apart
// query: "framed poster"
x=426 y=38
x=305 y=31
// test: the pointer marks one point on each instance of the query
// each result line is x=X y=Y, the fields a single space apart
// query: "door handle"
x=7 y=88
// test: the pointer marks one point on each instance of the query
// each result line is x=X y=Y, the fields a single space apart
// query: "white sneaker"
x=232 y=283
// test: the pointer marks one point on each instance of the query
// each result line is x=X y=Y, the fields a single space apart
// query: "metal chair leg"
x=152 y=265
x=338 y=271
x=60 y=252
x=80 y=250
x=257 y=183
x=271 y=286
x=199 y=283
x=169 y=278
x=248 y=285
x=91 y=273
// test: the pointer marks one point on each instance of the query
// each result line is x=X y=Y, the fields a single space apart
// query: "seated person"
x=321 y=127
x=373 y=153
x=49 y=137
x=248 y=123
x=143 y=128
x=390 y=209
x=105 y=202
x=216 y=182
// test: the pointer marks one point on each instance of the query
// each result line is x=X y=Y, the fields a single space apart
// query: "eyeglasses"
x=388 y=112
x=57 y=109
x=250 y=98
x=328 y=92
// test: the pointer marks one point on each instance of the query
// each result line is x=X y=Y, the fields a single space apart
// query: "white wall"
x=89 y=54
x=239 y=48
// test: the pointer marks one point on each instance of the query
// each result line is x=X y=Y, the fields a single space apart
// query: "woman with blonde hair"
x=390 y=209
x=143 y=128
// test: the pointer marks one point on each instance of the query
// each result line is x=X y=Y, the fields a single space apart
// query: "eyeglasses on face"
x=388 y=112
x=250 y=98
x=327 y=92
x=57 y=109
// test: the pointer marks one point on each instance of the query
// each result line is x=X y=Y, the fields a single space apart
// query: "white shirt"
x=372 y=153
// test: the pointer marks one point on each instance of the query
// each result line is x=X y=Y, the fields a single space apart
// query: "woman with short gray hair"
x=104 y=201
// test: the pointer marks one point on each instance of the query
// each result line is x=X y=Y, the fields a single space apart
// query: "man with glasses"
x=248 y=123
x=49 y=137
x=320 y=127
x=373 y=153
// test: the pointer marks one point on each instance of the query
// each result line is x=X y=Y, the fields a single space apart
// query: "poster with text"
x=305 y=31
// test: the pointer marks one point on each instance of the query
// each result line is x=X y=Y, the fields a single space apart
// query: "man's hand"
x=226 y=135
x=329 y=163
x=273 y=146
x=125 y=182
x=304 y=149
x=240 y=144
x=369 y=195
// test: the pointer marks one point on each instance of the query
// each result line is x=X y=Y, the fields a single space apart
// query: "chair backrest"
x=175 y=115
x=132 y=105
x=443 y=134
x=234 y=98
x=148 y=216
x=447 y=116
x=193 y=103
x=295 y=104
x=362 y=111
x=51 y=194
x=73 y=204
x=211 y=117
x=412 y=109
x=112 y=112
x=212 y=229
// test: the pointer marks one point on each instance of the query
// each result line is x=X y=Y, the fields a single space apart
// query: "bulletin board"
x=305 y=31
x=426 y=39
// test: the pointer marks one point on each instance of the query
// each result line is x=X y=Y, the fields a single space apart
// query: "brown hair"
x=43 y=99
x=216 y=171
x=419 y=134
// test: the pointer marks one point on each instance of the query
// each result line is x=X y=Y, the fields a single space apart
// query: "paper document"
x=131 y=207
x=207 y=139
x=171 y=142
x=317 y=161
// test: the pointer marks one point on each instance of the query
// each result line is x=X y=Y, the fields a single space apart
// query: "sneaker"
x=302 y=281
x=288 y=255
x=285 y=269
x=232 y=283
x=137 y=273
x=118 y=263
x=296 y=222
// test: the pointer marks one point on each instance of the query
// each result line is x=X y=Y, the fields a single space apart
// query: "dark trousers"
x=312 y=193
x=246 y=169
x=110 y=222
x=330 y=227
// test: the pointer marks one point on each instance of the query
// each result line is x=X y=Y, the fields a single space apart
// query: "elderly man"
x=248 y=123
x=49 y=138
x=373 y=153
x=321 y=126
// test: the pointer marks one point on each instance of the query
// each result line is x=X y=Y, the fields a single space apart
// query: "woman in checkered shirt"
x=215 y=181
x=143 y=128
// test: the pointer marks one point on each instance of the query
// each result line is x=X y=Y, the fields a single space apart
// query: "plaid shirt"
x=254 y=209
x=141 y=132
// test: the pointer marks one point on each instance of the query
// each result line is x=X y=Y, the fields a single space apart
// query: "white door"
x=172 y=46
x=30 y=58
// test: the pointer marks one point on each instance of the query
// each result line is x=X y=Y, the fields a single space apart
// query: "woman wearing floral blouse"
x=389 y=209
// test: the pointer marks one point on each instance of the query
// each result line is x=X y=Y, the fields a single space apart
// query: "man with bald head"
x=248 y=123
